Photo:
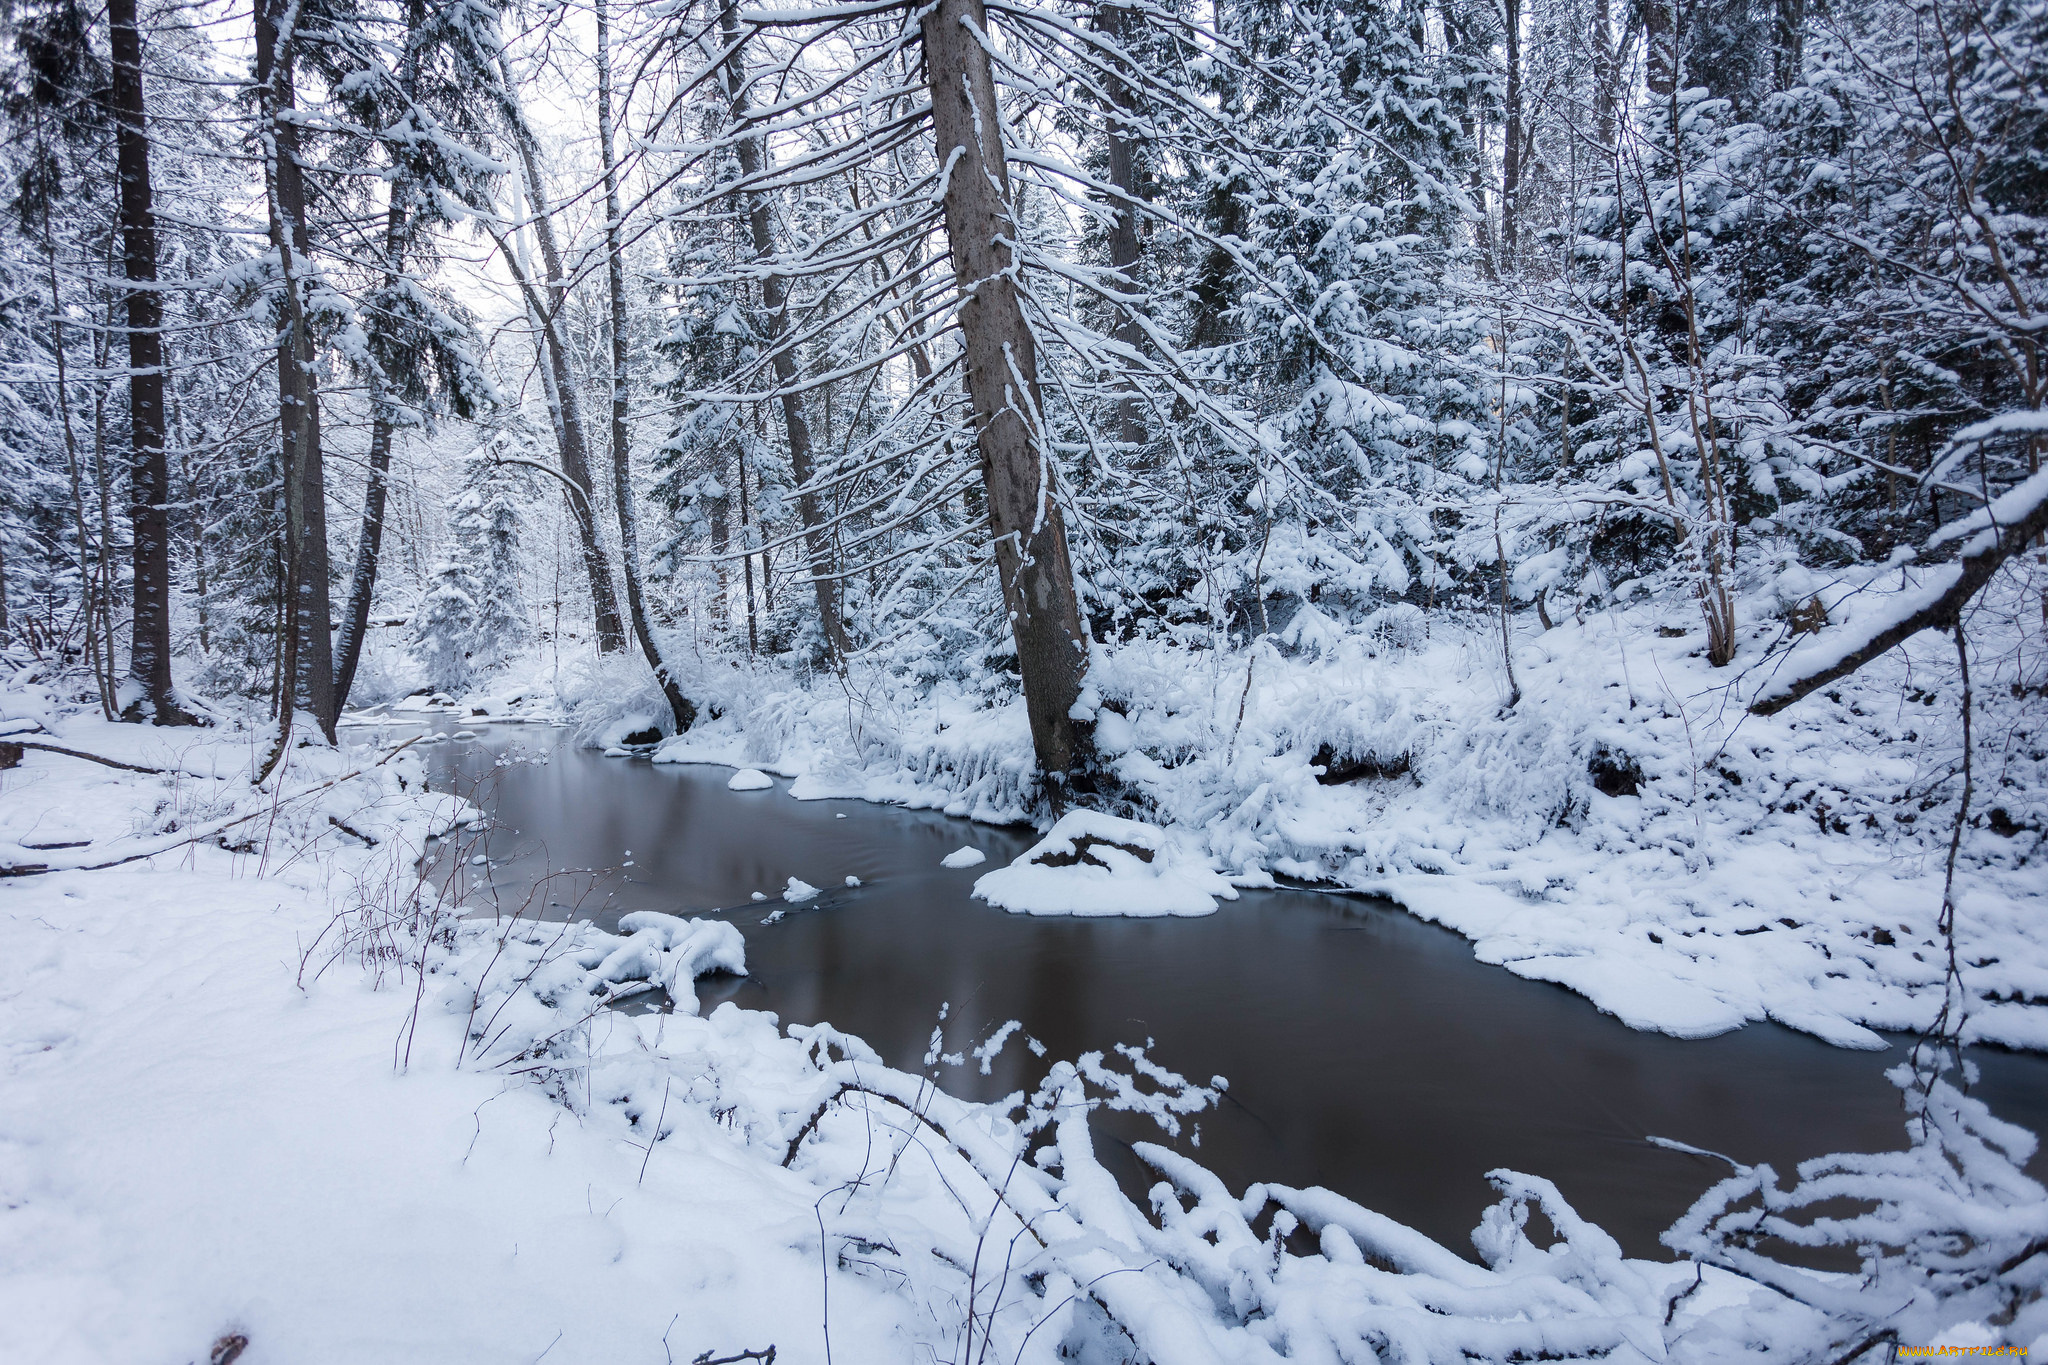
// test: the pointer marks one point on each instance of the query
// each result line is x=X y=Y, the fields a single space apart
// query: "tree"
x=1008 y=412
x=419 y=353
x=681 y=708
x=149 y=479
x=565 y=406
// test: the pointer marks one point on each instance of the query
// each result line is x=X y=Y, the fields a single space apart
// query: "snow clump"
x=1091 y=864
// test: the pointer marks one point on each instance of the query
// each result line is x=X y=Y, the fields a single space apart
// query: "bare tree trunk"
x=1788 y=51
x=753 y=156
x=1511 y=137
x=311 y=679
x=1660 y=46
x=565 y=406
x=721 y=541
x=88 y=587
x=1002 y=383
x=1124 y=174
x=747 y=559
x=149 y=478
x=1606 y=71
x=199 y=572
x=355 y=621
x=683 y=709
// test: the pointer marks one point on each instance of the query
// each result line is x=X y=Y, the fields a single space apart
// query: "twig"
x=655 y=1137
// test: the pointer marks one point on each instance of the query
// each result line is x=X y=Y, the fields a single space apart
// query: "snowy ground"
x=1627 y=830
x=265 y=1085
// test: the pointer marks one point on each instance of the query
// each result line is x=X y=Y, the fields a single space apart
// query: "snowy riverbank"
x=276 y=1090
x=1626 y=830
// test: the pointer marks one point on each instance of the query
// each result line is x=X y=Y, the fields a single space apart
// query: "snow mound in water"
x=750 y=780
x=964 y=857
x=1090 y=864
x=797 y=892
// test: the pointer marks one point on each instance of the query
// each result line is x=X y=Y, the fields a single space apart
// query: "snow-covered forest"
x=1569 y=468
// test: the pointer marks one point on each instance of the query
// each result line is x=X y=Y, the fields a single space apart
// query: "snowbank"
x=1091 y=864
x=1628 y=830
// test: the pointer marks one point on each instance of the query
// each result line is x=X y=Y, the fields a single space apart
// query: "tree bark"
x=1660 y=46
x=149 y=478
x=1788 y=52
x=1003 y=390
x=565 y=406
x=680 y=706
x=1124 y=174
x=355 y=621
x=753 y=157
x=309 y=616
x=1511 y=137
x=1606 y=69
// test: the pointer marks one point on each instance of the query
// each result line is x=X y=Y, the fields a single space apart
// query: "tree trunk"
x=1660 y=46
x=753 y=155
x=1124 y=173
x=355 y=621
x=1511 y=136
x=565 y=406
x=149 y=478
x=309 y=618
x=747 y=559
x=1606 y=68
x=200 y=605
x=1788 y=52
x=1002 y=382
x=683 y=709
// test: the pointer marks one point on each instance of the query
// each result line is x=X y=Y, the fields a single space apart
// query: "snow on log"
x=1996 y=533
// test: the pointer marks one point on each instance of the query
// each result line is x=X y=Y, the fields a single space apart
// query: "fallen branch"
x=2006 y=527
x=90 y=758
x=165 y=843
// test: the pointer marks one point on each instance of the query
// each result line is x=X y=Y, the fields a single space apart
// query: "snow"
x=191 y=1143
x=230 y=1074
x=968 y=856
x=750 y=780
x=1091 y=864
x=1784 y=867
x=797 y=892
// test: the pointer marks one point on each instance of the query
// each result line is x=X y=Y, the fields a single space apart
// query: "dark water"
x=1366 y=1050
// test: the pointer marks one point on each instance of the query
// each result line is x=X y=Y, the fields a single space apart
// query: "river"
x=1366 y=1050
